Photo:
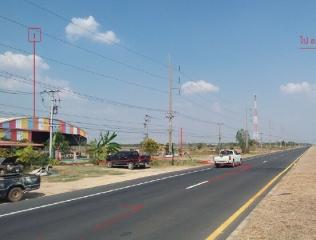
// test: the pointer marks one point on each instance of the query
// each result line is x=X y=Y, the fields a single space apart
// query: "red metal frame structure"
x=34 y=36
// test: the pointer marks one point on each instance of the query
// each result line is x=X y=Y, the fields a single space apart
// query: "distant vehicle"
x=228 y=158
x=13 y=186
x=131 y=159
x=9 y=165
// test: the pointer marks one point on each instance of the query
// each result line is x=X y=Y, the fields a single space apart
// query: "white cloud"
x=12 y=84
x=297 y=88
x=19 y=64
x=200 y=86
x=89 y=28
x=22 y=62
x=66 y=92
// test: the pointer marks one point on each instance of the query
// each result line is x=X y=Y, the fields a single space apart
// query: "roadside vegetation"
x=96 y=152
x=76 y=172
x=100 y=148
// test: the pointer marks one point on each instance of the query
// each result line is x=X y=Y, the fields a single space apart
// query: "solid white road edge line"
x=195 y=185
x=101 y=193
x=105 y=192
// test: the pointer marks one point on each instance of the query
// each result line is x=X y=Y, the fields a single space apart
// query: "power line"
x=92 y=98
x=87 y=50
x=82 y=95
x=209 y=110
x=66 y=42
x=14 y=92
x=92 y=52
x=51 y=36
x=102 y=127
x=67 y=20
x=83 y=69
x=87 y=123
x=200 y=96
x=122 y=129
x=27 y=81
x=86 y=70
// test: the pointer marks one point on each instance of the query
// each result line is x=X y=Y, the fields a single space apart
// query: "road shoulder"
x=53 y=188
x=288 y=211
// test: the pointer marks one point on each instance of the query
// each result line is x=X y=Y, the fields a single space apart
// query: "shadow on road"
x=28 y=195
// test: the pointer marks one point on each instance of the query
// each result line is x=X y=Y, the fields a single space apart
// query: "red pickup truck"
x=130 y=159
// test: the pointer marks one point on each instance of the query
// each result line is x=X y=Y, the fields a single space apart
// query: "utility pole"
x=255 y=119
x=260 y=133
x=270 y=129
x=283 y=137
x=146 y=123
x=219 y=136
x=246 y=131
x=181 y=142
x=53 y=111
x=34 y=36
x=170 y=114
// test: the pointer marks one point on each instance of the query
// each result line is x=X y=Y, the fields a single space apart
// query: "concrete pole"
x=51 y=129
x=246 y=132
x=219 y=136
x=170 y=111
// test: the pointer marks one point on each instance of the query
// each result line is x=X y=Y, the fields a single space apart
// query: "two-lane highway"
x=182 y=205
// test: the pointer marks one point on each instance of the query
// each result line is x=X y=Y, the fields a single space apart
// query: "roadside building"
x=36 y=130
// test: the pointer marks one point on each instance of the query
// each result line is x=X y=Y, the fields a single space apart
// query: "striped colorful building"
x=36 y=130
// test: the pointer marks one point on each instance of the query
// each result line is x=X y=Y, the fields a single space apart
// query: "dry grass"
x=74 y=173
x=289 y=210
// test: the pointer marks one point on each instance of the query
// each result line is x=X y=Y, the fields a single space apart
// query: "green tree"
x=4 y=152
x=60 y=143
x=241 y=136
x=102 y=147
x=199 y=146
x=29 y=156
x=150 y=146
x=166 y=147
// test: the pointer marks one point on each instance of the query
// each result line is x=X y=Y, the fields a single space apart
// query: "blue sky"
x=237 y=48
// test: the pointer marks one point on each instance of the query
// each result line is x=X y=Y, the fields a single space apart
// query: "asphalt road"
x=182 y=205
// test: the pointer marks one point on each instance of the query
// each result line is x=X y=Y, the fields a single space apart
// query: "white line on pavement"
x=101 y=193
x=195 y=185
x=106 y=192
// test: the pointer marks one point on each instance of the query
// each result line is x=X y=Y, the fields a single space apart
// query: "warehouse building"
x=36 y=130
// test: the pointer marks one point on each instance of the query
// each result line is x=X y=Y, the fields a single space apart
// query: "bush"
x=29 y=156
x=150 y=146
x=53 y=162
x=4 y=152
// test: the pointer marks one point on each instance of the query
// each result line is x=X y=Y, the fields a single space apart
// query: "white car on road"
x=228 y=158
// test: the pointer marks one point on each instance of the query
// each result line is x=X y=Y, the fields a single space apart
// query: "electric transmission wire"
x=93 y=98
x=81 y=116
x=51 y=36
x=71 y=44
x=79 y=94
x=68 y=20
x=8 y=91
x=83 y=69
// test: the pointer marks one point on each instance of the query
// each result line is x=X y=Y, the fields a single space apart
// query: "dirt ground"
x=289 y=210
x=122 y=174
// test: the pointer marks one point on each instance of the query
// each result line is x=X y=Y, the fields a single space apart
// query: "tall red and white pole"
x=34 y=74
x=34 y=36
